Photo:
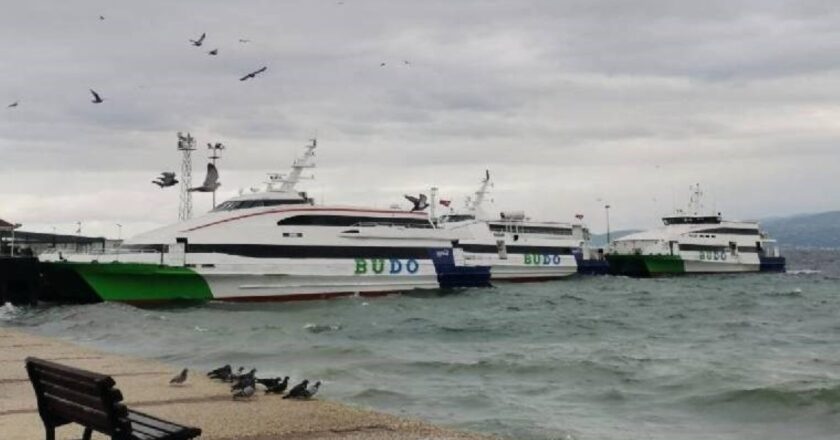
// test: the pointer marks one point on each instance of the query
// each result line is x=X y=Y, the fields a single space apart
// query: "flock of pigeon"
x=244 y=385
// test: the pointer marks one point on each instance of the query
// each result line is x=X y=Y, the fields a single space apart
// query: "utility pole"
x=215 y=154
x=186 y=145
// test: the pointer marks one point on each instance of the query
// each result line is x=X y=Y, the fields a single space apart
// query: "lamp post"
x=12 y=250
x=607 y=210
x=119 y=232
x=215 y=149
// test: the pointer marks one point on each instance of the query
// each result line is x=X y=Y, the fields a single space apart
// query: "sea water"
x=697 y=357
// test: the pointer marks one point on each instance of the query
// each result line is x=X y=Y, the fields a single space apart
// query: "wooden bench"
x=71 y=395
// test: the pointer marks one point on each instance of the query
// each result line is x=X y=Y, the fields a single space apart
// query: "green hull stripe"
x=646 y=265
x=143 y=282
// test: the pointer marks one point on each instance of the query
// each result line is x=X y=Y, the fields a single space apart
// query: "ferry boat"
x=272 y=244
x=693 y=242
x=515 y=247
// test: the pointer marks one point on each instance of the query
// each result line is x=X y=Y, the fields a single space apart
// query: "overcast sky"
x=570 y=104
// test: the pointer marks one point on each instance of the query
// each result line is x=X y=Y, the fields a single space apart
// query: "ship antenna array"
x=301 y=163
x=186 y=145
x=482 y=192
x=695 y=204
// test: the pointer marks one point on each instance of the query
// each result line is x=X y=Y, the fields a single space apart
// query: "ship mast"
x=186 y=145
x=305 y=161
x=695 y=202
x=483 y=190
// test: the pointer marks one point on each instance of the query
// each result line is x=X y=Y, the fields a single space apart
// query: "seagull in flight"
x=381 y=64
x=166 y=179
x=101 y=17
x=211 y=182
x=406 y=62
x=213 y=52
x=254 y=73
x=13 y=105
x=96 y=98
x=420 y=202
x=243 y=40
x=200 y=40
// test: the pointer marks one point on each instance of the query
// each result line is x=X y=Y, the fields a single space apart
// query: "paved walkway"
x=201 y=402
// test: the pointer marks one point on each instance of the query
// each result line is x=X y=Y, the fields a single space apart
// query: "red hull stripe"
x=276 y=211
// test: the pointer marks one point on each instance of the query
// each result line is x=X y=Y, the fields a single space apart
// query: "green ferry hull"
x=124 y=282
x=645 y=265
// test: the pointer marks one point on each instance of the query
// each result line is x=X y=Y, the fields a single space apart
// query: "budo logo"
x=542 y=259
x=378 y=266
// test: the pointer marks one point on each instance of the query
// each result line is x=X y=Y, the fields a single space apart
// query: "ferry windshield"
x=231 y=205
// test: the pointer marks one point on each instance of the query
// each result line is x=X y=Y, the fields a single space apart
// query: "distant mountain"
x=600 y=240
x=820 y=230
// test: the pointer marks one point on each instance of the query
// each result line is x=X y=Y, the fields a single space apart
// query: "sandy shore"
x=201 y=402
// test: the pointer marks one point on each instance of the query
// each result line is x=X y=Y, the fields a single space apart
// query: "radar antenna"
x=186 y=145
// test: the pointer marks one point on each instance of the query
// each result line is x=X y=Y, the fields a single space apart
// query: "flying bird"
x=406 y=62
x=254 y=73
x=13 y=105
x=420 y=202
x=243 y=40
x=213 y=52
x=101 y=17
x=211 y=181
x=200 y=40
x=298 y=391
x=246 y=392
x=96 y=98
x=165 y=180
x=180 y=378
x=381 y=64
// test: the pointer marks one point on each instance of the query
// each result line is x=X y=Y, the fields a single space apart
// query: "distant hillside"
x=600 y=240
x=806 y=230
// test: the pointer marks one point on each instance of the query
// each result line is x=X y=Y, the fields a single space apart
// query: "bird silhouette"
x=180 y=378
x=246 y=392
x=243 y=40
x=419 y=202
x=381 y=64
x=406 y=62
x=220 y=372
x=213 y=52
x=101 y=17
x=254 y=73
x=13 y=105
x=211 y=181
x=96 y=98
x=275 y=386
x=200 y=40
x=298 y=391
x=166 y=179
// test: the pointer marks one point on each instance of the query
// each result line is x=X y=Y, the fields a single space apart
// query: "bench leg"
x=50 y=432
x=87 y=434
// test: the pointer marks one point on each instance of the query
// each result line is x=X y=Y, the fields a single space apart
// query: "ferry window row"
x=732 y=231
x=530 y=229
x=346 y=220
x=231 y=205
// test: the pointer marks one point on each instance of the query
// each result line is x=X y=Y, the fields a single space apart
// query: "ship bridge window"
x=731 y=231
x=495 y=227
x=457 y=218
x=232 y=205
x=712 y=219
x=345 y=221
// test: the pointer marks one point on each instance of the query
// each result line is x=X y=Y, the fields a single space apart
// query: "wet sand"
x=200 y=402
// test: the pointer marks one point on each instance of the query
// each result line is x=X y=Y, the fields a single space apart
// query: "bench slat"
x=71 y=372
x=82 y=386
x=175 y=432
x=73 y=412
x=84 y=399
